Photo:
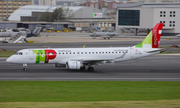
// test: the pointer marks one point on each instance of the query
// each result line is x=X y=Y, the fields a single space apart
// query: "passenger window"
x=99 y=52
x=73 y=52
x=89 y=52
x=92 y=52
x=81 y=52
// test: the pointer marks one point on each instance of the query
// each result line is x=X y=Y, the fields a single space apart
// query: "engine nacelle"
x=74 y=65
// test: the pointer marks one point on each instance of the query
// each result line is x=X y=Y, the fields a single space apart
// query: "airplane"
x=28 y=32
x=35 y=32
x=79 y=58
x=107 y=35
x=11 y=33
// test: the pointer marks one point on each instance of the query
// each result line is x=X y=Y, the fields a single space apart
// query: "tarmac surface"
x=77 y=40
x=153 y=68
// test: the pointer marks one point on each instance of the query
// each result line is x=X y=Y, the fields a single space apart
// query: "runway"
x=153 y=68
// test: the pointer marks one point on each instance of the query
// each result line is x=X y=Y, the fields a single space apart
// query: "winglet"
x=84 y=46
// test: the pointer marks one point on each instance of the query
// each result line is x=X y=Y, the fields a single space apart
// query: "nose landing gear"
x=25 y=67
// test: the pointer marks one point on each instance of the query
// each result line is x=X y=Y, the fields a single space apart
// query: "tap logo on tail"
x=156 y=35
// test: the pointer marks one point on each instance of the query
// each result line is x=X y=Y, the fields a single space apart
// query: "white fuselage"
x=62 y=55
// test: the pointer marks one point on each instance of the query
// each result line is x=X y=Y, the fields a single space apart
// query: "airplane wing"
x=94 y=60
x=113 y=34
x=102 y=60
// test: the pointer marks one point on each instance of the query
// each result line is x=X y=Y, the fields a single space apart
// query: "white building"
x=79 y=12
x=148 y=14
x=47 y=2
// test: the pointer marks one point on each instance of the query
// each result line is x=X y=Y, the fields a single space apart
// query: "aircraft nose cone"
x=9 y=60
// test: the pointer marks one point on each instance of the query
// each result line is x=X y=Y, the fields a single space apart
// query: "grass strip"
x=81 y=91
x=98 y=104
x=6 y=53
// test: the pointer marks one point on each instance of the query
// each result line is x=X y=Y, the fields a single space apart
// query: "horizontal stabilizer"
x=155 y=50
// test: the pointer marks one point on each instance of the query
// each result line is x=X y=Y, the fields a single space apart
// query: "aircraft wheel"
x=104 y=38
x=83 y=68
x=108 y=38
x=24 y=69
x=90 y=69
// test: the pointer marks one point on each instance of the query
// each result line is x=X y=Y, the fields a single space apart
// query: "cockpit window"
x=18 y=53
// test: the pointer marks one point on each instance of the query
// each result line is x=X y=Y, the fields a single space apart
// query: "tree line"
x=57 y=15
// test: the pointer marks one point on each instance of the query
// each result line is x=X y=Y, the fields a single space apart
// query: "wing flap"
x=94 y=60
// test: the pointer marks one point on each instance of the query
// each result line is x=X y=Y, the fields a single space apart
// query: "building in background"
x=7 y=7
x=35 y=2
x=101 y=4
x=33 y=12
x=70 y=2
x=65 y=3
x=147 y=15
x=47 y=2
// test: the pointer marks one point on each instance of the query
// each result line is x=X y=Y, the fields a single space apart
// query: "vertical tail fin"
x=153 y=38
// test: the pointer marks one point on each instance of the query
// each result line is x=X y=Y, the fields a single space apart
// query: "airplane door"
x=132 y=52
x=31 y=55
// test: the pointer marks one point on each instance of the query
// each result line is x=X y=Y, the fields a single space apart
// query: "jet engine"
x=74 y=65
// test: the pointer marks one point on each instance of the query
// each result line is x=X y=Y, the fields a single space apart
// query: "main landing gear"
x=105 y=38
x=25 y=67
x=83 y=68
x=90 y=69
